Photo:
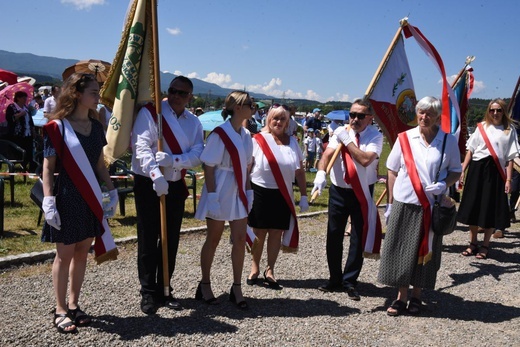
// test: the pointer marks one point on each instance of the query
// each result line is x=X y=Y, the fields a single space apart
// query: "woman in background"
x=489 y=160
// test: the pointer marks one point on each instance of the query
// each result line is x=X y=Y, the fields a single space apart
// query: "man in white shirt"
x=364 y=143
x=183 y=145
x=50 y=103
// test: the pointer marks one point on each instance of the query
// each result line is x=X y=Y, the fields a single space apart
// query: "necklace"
x=82 y=127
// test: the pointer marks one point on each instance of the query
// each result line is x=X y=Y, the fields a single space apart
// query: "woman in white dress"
x=227 y=194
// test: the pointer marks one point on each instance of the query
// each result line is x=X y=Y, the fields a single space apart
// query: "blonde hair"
x=507 y=121
x=276 y=111
x=233 y=99
x=68 y=99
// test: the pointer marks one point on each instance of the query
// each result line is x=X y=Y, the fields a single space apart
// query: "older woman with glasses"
x=489 y=160
x=277 y=162
x=411 y=253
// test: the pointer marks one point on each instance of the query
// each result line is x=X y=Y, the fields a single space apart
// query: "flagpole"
x=511 y=102
x=158 y=108
x=469 y=60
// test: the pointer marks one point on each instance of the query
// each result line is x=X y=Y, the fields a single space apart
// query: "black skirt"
x=270 y=211
x=484 y=202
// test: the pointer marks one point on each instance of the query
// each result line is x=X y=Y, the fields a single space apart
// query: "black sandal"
x=80 y=318
x=414 y=306
x=62 y=326
x=271 y=282
x=200 y=296
x=482 y=255
x=242 y=304
x=473 y=248
x=398 y=306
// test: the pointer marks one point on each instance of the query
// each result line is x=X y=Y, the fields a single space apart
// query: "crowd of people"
x=250 y=179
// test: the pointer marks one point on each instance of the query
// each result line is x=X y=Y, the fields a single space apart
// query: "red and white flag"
x=393 y=96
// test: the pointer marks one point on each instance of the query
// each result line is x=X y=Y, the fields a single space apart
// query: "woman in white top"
x=411 y=253
x=223 y=199
x=484 y=203
x=271 y=214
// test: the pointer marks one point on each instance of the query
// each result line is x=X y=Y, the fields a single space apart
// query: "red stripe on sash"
x=351 y=177
x=235 y=161
x=492 y=151
x=68 y=163
x=170 y=138
x=421 y=195
x=277 y=173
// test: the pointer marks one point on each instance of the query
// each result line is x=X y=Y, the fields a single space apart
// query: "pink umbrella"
x=7 y=96
x=8 y=76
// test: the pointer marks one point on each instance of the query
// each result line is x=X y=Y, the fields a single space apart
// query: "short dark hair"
x=183 y=79
x=366 y=103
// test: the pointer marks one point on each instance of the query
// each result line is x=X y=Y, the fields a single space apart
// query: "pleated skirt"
x=398 y=265
x=484 y=202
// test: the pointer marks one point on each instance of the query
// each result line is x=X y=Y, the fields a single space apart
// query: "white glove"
x=160 y=184
x=52 y=217
x=387 y=212
x=250 y=198
x=213 y=205
x=436 y=188
x=304 y=204
x=111 y=206
x=163 y=159
x=343 y=136
x=320 y=182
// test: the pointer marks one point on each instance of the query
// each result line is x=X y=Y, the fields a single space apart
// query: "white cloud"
x=193 y=75
x=177 y=73
x=339 y=97
x=478 y=86
x=84 y=4
x=220 y=79
x=173 y=31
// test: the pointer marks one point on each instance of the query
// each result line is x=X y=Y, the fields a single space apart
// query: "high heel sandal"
x=253 y=281
x=271 y=283
x=242 y=304
x=199 y=296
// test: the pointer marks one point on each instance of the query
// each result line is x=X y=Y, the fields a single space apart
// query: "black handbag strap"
x=440 y=164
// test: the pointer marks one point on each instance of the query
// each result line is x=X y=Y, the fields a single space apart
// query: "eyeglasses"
x=181 y=93
x=493 y=110
x=357 y=115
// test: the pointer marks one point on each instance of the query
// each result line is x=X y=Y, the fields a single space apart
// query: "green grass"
x=22 y=234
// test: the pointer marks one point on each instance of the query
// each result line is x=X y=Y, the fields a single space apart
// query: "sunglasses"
x=357 y=115
x=181 y=93
x=493 y=110
x=250 y=104
x=285 y=107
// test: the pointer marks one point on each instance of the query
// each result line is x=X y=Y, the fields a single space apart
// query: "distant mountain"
x=49 y=69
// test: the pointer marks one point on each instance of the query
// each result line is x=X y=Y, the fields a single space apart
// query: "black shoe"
x=171 y=303
x=253 y=281
x=148 y=305
x=270 y=282
x=199 y=296
x=353 y=294
x=331 y=288
x=242 y=304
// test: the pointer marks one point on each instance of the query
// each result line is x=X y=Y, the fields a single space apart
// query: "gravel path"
x=476 y=302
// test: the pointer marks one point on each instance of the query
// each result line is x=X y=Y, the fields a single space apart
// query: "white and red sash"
x=271 y=151
x=493 y=151
x=372 y=231
x=75 y=162
x=425 y=248
x=238 y=160
x=174 y=136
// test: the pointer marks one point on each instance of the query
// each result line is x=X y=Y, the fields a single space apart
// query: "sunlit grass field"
x=22 y=234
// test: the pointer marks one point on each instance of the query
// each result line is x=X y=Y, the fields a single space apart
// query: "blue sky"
x=320 y=50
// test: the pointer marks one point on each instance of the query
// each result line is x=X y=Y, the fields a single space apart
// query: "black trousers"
x=342 y=204
x=149 y=251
